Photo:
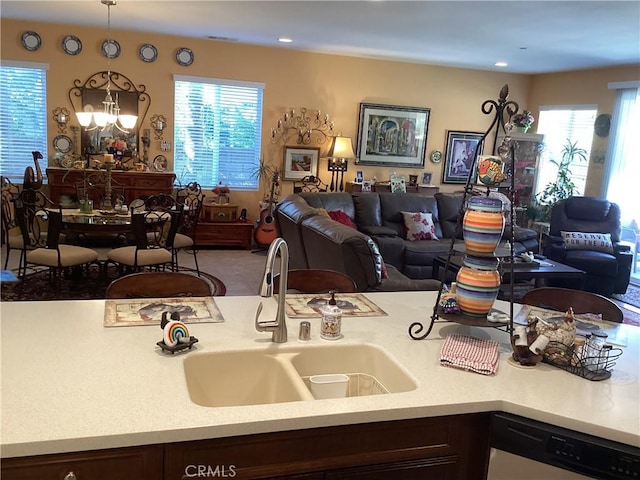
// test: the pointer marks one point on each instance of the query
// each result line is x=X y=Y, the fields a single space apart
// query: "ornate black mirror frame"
x=132 y=99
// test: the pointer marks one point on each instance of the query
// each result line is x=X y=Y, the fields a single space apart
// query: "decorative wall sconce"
x=146 y=143
x=158 y=123
x=338 y=161
x=61 y=117
x=302 y=127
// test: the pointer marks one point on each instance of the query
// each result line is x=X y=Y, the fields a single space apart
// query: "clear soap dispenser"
x=330 y=326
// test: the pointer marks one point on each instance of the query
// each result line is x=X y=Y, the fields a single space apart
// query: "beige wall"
x=293 y=79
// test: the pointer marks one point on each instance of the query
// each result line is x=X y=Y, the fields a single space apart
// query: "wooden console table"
x=224 y=234
x=135 y=184
x=381 y=187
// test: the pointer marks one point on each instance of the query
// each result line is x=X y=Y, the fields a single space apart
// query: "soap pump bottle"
x=330 y=326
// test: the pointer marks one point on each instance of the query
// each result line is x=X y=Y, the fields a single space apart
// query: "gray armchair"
x=573 y=240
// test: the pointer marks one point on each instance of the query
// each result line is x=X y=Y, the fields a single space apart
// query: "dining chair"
x=94 y=187
x=316 y=281
x=153 y=233
x=581 y=302
x=40 y=222
x=11 y=236
x=165 y=285
x=191 y=198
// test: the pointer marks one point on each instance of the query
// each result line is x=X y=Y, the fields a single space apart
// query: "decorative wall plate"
x=31 y=41
x=62 y=143
x=184 y=56
x=111 y=49
x=71 y=45
x=436 y=156
x=160 y=163
x=148 y=53
x=602 y=125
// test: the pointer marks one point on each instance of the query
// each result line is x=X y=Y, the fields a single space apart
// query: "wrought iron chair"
x=316 y=281
x=11 y=236
x=165 y=285
x=581 y=302
x=310 y=183
x=154 y=232
x=191 y=198
x=40 y=222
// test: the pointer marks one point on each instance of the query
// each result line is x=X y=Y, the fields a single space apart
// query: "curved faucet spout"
x=279 y=325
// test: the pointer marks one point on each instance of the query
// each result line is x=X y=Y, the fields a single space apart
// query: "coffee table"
x=546 y=269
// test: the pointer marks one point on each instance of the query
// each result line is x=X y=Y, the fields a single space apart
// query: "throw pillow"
x=419 y=226
x=342 y=217
x=600 y=242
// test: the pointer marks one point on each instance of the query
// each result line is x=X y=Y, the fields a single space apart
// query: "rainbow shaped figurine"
x=174 y=331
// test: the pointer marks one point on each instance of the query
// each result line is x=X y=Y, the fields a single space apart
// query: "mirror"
x=88 y=96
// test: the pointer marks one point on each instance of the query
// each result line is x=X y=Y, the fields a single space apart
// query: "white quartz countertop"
x=71 y=384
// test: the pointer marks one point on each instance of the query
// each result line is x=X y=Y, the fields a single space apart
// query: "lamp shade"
x=128 y=121
x=341 y=148
x=84 y=118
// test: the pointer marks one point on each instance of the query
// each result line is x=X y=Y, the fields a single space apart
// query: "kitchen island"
x=69 y=384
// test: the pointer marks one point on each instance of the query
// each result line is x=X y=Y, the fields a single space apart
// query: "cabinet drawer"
x=220 y=213
x=136 y=463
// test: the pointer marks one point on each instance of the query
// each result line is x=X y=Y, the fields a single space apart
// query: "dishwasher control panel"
x=563 y=448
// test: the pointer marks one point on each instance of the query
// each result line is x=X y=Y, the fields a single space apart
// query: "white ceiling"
x=531 y=36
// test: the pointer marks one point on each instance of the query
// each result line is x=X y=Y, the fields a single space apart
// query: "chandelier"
x=110 y=115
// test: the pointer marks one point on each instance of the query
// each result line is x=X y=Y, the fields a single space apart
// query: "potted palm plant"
x=562 y=187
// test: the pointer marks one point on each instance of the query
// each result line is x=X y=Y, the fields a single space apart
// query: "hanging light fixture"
x=110 y=116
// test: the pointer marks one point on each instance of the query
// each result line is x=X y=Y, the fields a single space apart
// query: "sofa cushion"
x=330 y=201
x=449 y=205
x=392 y=204
x=367 y=207
x=600 y=242
x=419 y=226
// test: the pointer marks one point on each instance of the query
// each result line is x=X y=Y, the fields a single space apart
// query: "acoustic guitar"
x=267 y=230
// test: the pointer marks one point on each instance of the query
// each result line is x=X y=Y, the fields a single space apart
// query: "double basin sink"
x=280 y=374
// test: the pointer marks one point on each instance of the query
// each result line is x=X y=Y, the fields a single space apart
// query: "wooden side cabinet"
x=135 y=463
x=135 y=184
x=224 y=234
x=382 y=187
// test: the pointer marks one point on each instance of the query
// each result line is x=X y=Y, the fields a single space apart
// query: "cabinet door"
x=435 y=468
x=136 y=463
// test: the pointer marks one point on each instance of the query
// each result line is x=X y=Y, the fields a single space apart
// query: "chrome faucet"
x=279 y=325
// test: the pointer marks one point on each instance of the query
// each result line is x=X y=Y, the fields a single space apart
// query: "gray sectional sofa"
x=378 y=243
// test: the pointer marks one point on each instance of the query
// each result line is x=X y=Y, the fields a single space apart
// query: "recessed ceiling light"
x=501 y=64
x=285 y=40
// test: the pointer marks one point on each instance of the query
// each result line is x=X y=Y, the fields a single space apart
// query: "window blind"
x=217 y=132
x=23 y=117
x=557 y=124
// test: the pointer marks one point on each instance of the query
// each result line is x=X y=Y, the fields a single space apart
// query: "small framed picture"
x=300 y=162
x=366 y=186
x=460 y=158
x=398 y=185
x=359 y=176
x=426 y=178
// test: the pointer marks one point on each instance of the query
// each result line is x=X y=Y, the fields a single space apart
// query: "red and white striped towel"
x=468 y=353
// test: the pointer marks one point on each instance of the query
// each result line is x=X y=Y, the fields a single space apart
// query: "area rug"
x=90 y=285
x=632 y=297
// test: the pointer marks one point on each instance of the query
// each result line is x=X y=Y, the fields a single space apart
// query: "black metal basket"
x=592 y=364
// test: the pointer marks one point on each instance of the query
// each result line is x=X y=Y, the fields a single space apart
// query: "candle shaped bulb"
x=286 y=116
x=279 y=123
x=273 y=133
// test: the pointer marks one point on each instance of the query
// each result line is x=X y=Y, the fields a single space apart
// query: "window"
x=558 y=124
x=217 y=132
x=23 y=116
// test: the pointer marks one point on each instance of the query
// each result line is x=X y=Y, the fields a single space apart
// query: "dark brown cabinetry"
x=382 y=187
x=135 y=184
x=231 y=234
x=135 y=463
x=451 y=447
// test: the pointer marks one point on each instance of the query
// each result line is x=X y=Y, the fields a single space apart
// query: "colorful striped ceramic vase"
x=483 y=224
x=478 y=282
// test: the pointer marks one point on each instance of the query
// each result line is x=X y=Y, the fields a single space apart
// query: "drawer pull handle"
x=221 y=214
x=70 y=476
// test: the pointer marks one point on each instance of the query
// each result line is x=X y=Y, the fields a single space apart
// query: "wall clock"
x=436 y=156
x=602 y=125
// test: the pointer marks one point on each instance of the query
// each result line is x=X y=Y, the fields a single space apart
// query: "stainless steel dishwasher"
x=524 y=449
